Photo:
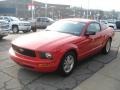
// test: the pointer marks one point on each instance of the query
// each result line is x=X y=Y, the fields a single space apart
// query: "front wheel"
x=15 y=29
x=1 y=37
x=107 y=47
x=67 y=64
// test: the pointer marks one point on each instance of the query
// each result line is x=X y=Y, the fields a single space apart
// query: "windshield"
x=69 y=27
x=14 y=19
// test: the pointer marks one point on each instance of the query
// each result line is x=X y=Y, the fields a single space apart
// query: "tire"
x=1 y=38
x=15 y=29
x=26 y=31
x=34 y=29
x=67 y=65
x=107 y=47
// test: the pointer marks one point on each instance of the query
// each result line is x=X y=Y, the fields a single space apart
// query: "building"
x=19 y=8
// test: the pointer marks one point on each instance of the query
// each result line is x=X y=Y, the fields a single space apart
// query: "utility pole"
x=74 y=11
x=52 y=7
x=32 y=11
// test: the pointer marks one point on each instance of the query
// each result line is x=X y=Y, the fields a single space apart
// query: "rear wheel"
x=1 y=37
x=107 y=47
x=15 y=29
x=24 y=31
x=34 y=29
x=67 y=64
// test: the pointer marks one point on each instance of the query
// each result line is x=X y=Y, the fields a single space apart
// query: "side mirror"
x=90 y=33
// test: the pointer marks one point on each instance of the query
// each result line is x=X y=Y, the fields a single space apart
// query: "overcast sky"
x=92 y=4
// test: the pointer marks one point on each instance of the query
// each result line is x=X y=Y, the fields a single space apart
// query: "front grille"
x=24 y=51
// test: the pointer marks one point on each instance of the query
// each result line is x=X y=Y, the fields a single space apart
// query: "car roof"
x=79 y=20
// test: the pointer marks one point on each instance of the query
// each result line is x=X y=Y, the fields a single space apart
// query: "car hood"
x=43 y=39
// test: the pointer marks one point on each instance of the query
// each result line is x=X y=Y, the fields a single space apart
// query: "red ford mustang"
x=61 y=45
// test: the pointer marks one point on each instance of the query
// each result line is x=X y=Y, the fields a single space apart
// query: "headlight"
x=46 y=55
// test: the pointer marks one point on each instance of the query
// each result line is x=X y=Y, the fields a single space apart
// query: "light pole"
x=87 y=8
x=59 y=14
x=46 y=6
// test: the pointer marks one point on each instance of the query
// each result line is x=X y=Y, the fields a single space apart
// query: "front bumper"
x=33 y=63
x=22 y=28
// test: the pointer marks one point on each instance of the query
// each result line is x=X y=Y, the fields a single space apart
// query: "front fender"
x=61 y=50
x=66 y=48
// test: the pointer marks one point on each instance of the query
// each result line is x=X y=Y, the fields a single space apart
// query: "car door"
x=85 y=46
x=39 y=22
x=92 y=43
x=96 y=40
x=46 y=22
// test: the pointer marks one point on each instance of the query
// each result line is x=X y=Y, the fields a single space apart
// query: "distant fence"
x=4 y=10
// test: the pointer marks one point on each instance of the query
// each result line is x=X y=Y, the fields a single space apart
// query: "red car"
x=61 y=45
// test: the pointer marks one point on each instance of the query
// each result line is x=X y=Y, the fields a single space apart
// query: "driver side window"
x=95 y=27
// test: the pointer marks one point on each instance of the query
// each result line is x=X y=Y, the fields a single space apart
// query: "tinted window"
x=70 y=27
x=94 y=27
